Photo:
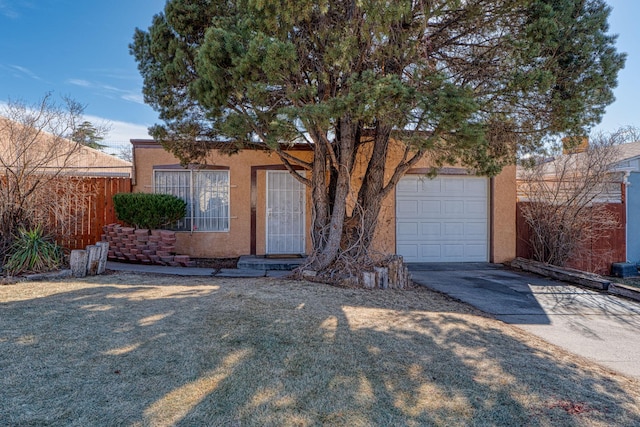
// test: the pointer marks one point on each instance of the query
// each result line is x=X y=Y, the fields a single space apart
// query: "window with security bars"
x=206 y=193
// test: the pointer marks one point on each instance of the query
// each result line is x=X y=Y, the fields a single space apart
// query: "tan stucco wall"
x=503 y=216
x=238 y=240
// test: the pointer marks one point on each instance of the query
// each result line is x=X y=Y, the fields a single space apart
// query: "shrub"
x=33 y=251
x=146 y=210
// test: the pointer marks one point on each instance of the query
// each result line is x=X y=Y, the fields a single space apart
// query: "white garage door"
x=442 y=219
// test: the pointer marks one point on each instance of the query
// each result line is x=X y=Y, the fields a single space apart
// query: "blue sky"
x=80 y=49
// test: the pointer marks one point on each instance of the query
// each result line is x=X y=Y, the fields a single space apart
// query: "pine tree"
x=470 y=82
x=87 y=134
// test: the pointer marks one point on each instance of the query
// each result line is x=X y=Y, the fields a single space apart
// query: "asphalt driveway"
x=592 y=324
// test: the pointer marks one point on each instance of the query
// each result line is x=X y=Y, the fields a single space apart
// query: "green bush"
x=146 y=210
x=33 y=251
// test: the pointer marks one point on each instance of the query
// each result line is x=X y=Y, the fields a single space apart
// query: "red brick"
x=167 y=234
x=181 y=258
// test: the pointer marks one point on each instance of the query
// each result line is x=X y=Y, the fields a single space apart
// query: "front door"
x=285 y=214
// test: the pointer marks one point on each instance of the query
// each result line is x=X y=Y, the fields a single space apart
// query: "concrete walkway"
x=595 y=325
x=194 y=271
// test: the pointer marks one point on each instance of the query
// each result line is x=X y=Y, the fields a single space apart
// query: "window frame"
x=191 y=220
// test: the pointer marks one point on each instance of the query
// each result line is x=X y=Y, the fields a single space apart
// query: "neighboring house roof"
x=628 y=156
x=565 y=171
x=46 y=153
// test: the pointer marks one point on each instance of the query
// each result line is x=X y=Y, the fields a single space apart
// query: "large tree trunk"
x=331 y=230
x=365 y=215
x=344 y=255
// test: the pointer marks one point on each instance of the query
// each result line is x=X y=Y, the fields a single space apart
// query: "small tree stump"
x=93 y=260
x=78 y=262
x=382 y=276
x=369 y=279
x=104 y=251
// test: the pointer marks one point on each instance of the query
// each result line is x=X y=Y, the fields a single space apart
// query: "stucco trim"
x=440 y=171
x=189 y=167
x=151 y=143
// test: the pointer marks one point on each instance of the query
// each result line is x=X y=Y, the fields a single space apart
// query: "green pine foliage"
x=271 y=71
x=471 y=83
x=150 y=211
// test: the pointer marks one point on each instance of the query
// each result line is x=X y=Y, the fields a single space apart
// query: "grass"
x=144 y=350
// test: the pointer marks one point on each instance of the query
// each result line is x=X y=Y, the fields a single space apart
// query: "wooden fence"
x=85 y=205
x=600 y=253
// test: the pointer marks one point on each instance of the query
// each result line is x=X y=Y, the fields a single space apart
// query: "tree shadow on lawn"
x=241 y=352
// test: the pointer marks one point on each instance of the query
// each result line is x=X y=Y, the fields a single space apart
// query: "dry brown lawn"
x=144 y=350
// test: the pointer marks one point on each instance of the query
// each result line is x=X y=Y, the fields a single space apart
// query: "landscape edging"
x=578 y=277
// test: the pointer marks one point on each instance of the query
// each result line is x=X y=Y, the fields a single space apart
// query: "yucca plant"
x=33 y=251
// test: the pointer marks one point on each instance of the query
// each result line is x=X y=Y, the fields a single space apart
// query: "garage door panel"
x=430 y=209
x=409 y=252
x=408 y=229
x=476 y=185
x=454 y=229
x=453 y=207
x=430 y=186
x=454 y=186
x=453 y=251
x=408 y=208
x=476 y=252
x=451 y=219
x=476 y=207
x=430 y=251
x=478 y=229
x=430 y=230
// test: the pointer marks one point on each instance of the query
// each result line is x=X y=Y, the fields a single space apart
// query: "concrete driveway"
x=595 y=325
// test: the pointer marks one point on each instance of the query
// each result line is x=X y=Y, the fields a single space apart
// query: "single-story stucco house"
x=247 y=203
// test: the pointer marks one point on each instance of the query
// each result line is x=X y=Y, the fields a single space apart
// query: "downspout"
x=625 y=195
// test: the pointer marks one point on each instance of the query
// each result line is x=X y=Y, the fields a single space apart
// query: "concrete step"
x=253 y=262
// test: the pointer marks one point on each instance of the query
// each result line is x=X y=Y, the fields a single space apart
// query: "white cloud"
x=25 y=71
x=122 y=132
x=109 y=91
x=134 y=97
x=7 y=10
x=79 y=82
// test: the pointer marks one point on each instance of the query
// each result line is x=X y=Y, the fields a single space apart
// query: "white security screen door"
x=285 y=214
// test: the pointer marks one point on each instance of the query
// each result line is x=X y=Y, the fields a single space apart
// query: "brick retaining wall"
x=143 y=246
